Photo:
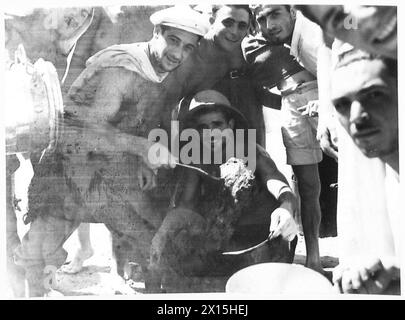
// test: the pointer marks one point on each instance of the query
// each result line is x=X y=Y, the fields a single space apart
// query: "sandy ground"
x=96 y=277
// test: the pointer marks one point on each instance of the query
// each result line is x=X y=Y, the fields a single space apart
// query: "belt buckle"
x=234 y=74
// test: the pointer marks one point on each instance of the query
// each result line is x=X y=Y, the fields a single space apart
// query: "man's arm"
x=282 y=219
x=270 y=176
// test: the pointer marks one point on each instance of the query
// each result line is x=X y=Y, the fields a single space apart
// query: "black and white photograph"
x=191 y=149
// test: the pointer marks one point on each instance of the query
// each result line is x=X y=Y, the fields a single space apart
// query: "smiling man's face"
x=230 y=27
x=171 y=47
x=364 y=93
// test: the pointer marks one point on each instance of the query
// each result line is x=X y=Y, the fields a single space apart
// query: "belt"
x=300 y=88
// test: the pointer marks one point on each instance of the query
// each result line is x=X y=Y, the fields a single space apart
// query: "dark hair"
x=245 y=7
x=286 y=6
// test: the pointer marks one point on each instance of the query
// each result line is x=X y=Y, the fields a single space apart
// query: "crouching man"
x=224 y=205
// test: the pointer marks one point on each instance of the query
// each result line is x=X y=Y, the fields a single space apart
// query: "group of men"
x=176 y=213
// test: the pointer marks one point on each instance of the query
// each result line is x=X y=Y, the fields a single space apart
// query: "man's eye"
x=242 y=26
x=227 y=23
x=374 y=95
x=189 y=49
x=173 y=40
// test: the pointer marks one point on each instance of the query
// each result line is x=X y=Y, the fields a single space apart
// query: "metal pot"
x=33 y=105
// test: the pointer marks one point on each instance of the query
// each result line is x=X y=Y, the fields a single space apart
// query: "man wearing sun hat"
x=100 y=170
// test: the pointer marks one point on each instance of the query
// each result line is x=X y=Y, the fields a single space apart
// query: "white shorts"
x=298 y=131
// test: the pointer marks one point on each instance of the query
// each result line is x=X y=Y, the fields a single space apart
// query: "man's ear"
x=156 y=31
x=231 y=123
x=293 y=13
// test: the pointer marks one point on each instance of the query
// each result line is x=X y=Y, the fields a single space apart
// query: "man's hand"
x=282 y=223
x=372 y=277
x=310 y=109
x=159 y=156
x=146 y=177
x=328 y=139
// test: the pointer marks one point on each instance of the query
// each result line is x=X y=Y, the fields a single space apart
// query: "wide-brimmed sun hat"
x=209 y=99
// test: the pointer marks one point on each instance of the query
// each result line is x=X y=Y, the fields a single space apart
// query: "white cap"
x=182 y=17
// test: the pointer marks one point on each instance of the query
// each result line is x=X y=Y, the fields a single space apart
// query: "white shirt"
x=368 y=205
x=306 y=40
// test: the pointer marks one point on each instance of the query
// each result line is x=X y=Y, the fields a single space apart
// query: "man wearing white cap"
x=99 y=169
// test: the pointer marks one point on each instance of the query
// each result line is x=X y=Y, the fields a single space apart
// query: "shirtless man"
x=219 y=59
x=209 y=219
x=280 y=25
x=92 y=176
x=219 y=51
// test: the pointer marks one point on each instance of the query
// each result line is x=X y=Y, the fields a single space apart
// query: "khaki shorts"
x=298 y=131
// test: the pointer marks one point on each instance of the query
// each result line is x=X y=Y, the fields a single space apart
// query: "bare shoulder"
x=262 y=154
x=105 y=81
x=117 y=80
x=265 y=165
x=98 y=96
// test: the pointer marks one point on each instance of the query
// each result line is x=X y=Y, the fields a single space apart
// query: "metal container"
x=33 y=105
